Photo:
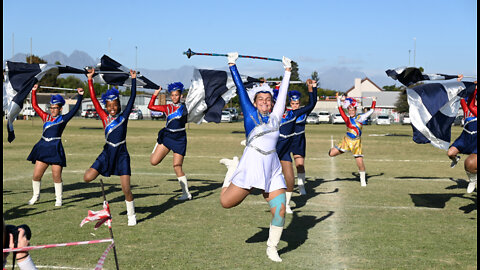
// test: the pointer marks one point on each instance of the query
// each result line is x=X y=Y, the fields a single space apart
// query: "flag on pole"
x=103 y=216
x=209 y=92
x=19 y=80
x=410 y=75
x=122 y=78
x=433 y=108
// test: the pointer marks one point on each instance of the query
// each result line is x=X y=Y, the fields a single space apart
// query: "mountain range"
x=336 y=78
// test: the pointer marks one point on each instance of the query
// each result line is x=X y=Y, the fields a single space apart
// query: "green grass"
x=414 y=213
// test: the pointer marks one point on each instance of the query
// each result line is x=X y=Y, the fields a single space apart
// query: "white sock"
x=183 y=184
x=288 y=196
x=130 y=208
x=472 y=177
x=363 y=181
x=301 y=178
x=36 y=188
x=58 y=191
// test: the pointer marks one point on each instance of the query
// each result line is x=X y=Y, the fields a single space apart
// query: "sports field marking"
x=57 y=267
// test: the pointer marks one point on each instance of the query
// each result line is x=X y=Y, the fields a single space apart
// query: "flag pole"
x=191 y=53
x=110 y=227
x=59 y=88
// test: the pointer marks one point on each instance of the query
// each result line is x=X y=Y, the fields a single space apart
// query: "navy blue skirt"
x=466 y=143
x=113 y=161
x=283 y=148
x=175 y=141
x=299 y=144
x=49 y=152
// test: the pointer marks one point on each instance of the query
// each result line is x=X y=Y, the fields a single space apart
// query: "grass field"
x=414 y=213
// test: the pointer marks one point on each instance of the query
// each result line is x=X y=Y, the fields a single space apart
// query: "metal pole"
x=31 y=54
x=414 y=49
x=409 y=57
x=136 y=49
x=109 y=228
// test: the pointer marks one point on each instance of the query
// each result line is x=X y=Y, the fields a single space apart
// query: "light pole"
x=409 y=57
x=414 y=50
x=136 y=49
x=31 y=54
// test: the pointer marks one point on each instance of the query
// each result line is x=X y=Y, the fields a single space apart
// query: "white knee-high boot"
x=36 y=192
x=288 y=196
x=363 y=180
x=231 y=165
x=472 y=177
x=274 y=235
x=301 y=183
x=184 y=185
x=132 y=218
x=58 y=193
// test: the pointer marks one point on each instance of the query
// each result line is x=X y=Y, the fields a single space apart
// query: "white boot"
x=301 y=183
x=288 y=196
x=132 y=218
x=472 y=177
x=58 y=193
x=36 y=192
x=231 y=165
x=274 y=236
x=183 y=183
x=363 y=181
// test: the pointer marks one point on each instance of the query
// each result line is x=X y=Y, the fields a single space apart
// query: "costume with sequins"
x=466 y=143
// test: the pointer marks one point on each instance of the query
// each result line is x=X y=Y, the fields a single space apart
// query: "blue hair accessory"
x=349 y=102
x=57 y=100
x=294 y=95
x=110 y=95
x=176 y=86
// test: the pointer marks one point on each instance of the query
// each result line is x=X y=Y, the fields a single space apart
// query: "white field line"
x=57 y=267
x=308 y=158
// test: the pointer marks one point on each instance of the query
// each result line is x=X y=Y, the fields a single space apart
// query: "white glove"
x=287 y=63
x=232 y=57
x=244 y=142
x=339 y=101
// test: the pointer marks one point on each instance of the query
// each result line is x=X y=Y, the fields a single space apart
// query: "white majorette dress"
x=259 y=166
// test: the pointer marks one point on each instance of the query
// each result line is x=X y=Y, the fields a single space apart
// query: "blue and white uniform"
x=299 y=142
x=287 y=127
x=50 y=149
x=259 y=166
x=114 y=159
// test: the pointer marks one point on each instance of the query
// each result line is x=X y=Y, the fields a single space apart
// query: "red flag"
x=103 y=216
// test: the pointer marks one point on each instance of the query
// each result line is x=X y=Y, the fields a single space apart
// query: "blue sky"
x=367 y=36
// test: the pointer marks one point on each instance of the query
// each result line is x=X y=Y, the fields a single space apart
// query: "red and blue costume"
x=466 y=143
x=50 y=149
x=114 y=159
x=173 y=135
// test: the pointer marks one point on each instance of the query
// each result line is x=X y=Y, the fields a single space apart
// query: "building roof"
x=365 y=79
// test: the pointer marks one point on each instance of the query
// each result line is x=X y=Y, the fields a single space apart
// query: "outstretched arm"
x=312 y=99
x=279 y=107
x=472 y=100
x=37 y=109
x=131 y=100
x=72 y=112
x=345 y=118
x=364 y=116
x=159 y=108
x=101 y=113
x=245 y=102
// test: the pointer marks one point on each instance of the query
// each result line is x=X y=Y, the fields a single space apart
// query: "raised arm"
x=279 y=107
x=72 y=112
x=342 y=113
x=37 y=109
x=131 y=100
x=101 y=113
x=312 y=99
x=245 y=102
x=364 y=116
x=159 y=108
x=472 y=100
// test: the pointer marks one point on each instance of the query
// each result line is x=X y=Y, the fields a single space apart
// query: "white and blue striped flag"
x=433 y=108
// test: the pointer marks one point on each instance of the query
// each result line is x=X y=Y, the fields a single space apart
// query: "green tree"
x=295 y=76
x=33 y=59
x=401 y=105
x=393 y=88
x=57 y=63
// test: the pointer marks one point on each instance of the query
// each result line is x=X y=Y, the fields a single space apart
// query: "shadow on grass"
x=355 y=178
x=197 y=191
x=440 y=200
x=310 y=186
x=295 y=234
